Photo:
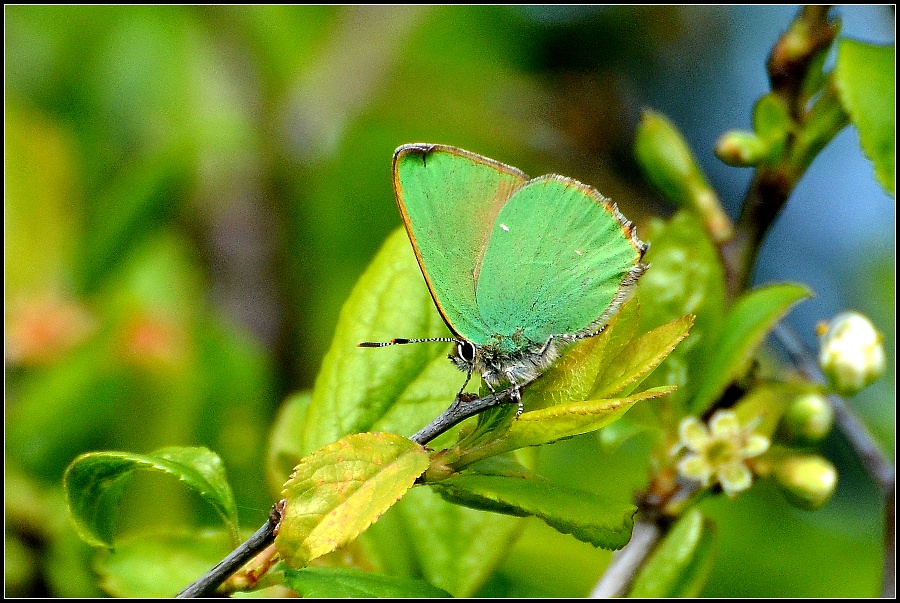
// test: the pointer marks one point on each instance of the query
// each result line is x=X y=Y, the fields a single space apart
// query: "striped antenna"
x=398 y=341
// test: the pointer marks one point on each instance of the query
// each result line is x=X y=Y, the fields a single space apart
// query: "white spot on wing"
x=504 y=227
x=578 y=252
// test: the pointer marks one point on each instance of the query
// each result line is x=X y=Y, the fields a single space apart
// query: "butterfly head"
x=465 y=356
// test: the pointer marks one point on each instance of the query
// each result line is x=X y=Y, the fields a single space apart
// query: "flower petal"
x=693 y=433
x=735 y=478
x=754 y=446
x=695 y=468
x=724 y=424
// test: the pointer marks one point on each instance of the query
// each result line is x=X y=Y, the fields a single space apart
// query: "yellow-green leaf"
x=336 y=492
x=637 y=360
x=573 y=377
x=554 y=423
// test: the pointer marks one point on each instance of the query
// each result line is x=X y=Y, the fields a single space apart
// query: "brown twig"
x=789 y=63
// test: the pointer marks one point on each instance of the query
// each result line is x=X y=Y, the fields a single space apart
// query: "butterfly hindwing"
x=560 y=259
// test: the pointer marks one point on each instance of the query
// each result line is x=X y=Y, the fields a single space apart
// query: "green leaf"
x=627 y=370
x=336 y=492
x=94 y=483
x=681 y=563
x=865 y=80
x=333 y=582
x=685 y=277
x=583 y=514
x=357 y=386
x=160 y=565
x=554 y=423
x=457 y=548
x=744 y=329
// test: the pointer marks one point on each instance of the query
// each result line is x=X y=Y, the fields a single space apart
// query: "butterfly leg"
x=465 y=383
x=515 y=395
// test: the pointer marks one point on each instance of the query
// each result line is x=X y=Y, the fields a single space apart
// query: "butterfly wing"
x=449 y=199
x=560 y=259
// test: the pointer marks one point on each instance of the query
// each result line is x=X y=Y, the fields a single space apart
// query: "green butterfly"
x=517 y=267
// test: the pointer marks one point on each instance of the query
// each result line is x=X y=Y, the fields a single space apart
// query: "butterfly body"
x=518 y=267
x=497 y=365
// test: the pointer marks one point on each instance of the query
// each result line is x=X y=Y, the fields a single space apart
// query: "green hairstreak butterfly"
x=517 y=267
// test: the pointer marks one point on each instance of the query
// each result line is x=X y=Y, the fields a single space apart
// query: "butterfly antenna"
x=398 y=341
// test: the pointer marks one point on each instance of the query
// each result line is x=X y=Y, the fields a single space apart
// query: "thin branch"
x=462 y=408
x=793 y=55
x=206 y=585
x=626 y=562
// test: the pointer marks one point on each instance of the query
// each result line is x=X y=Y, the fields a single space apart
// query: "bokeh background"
x=191 y=193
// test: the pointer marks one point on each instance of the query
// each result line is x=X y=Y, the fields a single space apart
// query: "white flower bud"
x=851 y=352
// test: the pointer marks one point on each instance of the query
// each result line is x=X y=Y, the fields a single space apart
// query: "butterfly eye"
x=466 y=350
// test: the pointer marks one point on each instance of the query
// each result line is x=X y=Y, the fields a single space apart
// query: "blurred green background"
x=191 y=192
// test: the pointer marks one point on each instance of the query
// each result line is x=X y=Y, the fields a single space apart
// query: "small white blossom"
x=717 y=454
x=851 y=352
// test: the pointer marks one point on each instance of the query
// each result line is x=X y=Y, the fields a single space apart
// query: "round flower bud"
x=806 y=420
x=807 y=481
x=851 y=352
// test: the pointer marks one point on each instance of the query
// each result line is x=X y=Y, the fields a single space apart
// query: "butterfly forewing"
x=559 y=260
x=449 y=200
